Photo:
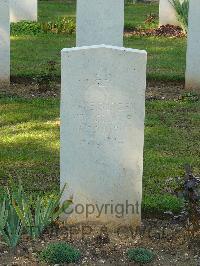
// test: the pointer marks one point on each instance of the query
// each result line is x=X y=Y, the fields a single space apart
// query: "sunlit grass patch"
x=29 y=144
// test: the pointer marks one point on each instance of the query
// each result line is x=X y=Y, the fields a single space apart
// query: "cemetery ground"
x=30 y=53
x=29 y=142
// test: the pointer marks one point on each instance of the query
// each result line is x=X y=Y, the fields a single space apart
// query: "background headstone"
x=193 y=48
x=102 y=131
x=167 y=14
x=100 y=22
x=23 y=10
x=4 y=44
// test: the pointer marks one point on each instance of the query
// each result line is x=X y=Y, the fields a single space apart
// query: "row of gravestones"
x=12 y=11
x=27 y=10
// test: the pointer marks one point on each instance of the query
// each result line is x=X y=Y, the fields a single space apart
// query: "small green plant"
x=47 y=78
x=182 y=10
x=190 y=97
x=3 y=214
x=60 y=25
x=10 y=224
x=25 y=28
x=140 y=255
x=60 y=253
x=151 y=21
x=18 y=211
x=37 y=216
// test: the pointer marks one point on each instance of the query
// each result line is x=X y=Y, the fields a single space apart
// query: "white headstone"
x=193 y=48
x=23 y=10
x=4 y=43
x=167 y=14
x=100 y=22
x=102 y=132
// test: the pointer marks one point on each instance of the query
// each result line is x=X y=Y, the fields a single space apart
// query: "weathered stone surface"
x=4 y=44
x=102 y=132
x=193 y=48
x=167 y=14
x=100 y=22
x=23 y=10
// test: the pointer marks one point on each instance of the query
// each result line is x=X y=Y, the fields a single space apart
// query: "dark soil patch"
x=165 y=31
x=100 y=245
x=155 y=90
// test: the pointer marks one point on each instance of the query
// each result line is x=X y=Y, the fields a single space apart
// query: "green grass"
x=30 y=142
x=29 y=145
x=30 y=54
x=50 y=10
x=135 y=15
x=166 y=56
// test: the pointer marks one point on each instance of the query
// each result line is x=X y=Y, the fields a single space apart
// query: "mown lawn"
x=51 y=10
x=29 y=145
x=30 y=54
x=135 y=14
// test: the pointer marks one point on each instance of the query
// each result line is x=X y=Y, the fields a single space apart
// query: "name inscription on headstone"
x=106 y=109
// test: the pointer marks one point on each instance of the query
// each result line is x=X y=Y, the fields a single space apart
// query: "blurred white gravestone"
x=167 y=14
x=102 y=132
x=100 y=22
x=4 y=44
x=23 y=10
x=193 y=47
